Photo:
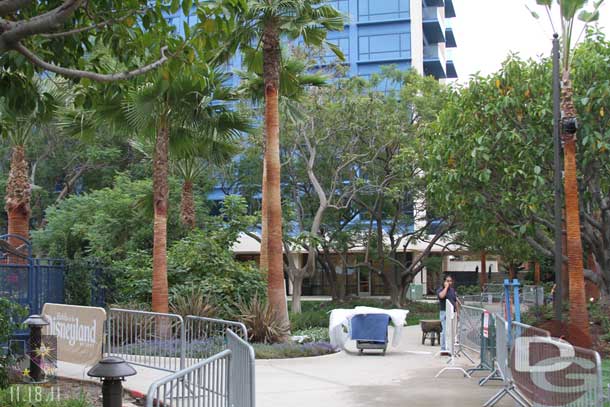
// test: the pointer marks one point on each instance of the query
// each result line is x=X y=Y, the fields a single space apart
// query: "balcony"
x=450 y=38
x=451 y=71
x=435 y=61
x=434 y=24
x=449 y=10
x=434 y=3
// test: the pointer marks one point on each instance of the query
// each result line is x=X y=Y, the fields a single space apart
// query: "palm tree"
x=263 y=24
x=570 y=11
x=18 y=189
x=183 y=107
x=193 y=164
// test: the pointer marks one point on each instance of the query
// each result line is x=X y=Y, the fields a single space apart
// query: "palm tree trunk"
x=187 y=205
x=161 y=199
x=18 y=195
x=272 y=203
x=578 y=314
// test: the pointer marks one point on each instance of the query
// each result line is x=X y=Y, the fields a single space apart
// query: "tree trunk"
x=565 y=278
x=161 y=199
x=297 y=290
x=578 y=313
x=483 y=276
x=187 y=205
x=272 y=203
x=537 y=273
x=18 y=195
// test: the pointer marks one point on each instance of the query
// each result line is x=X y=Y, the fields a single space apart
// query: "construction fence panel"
x=552 y=372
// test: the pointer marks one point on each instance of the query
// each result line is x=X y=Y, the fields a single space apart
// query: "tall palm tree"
x=263 y=24
x=570 y=11
x=187 y=106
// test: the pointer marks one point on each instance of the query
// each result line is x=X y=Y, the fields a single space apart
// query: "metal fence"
x=147 y=339
x=242 y=373
x=477 y=336
x=29 y=281
x=503 y=367
x=205 y=337
x=205 y=384
x=552 y=372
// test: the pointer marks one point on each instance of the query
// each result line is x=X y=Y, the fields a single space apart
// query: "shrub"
x=309 y=319
x=11 y=316
x=263 y=323
x=87 y=277
x=319 y=334
x=191 y=300
x=292 y=350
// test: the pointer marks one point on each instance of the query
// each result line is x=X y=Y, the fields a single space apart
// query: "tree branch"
x=76 y=73
x=95 y=26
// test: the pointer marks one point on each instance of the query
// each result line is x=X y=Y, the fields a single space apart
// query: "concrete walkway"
x=404 y=377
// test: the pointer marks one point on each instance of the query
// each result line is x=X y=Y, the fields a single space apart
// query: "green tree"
x=264 y=24
x=188 y=105
x=62 y=37
x=490 y=158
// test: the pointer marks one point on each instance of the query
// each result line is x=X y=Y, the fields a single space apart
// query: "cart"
x=370 y=331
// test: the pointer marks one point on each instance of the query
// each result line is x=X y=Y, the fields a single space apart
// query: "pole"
x=557 y=300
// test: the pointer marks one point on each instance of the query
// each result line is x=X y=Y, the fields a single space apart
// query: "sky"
x=487 y=31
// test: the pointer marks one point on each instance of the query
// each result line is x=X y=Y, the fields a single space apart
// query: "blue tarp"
x=370 y=327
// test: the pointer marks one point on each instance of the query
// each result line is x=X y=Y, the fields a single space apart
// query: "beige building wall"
x=417 y=36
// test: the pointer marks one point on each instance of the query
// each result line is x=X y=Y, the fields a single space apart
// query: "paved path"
x=402 y=378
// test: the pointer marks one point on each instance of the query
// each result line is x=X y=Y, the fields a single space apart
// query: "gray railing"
x=476 y=336
x=205 y=337
x=147 y=339
x=204 y=384
x=242 y=373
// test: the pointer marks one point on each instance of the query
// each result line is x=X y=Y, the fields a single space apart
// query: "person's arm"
x=443 y=293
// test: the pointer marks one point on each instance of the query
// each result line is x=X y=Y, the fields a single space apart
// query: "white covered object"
x=338 y=326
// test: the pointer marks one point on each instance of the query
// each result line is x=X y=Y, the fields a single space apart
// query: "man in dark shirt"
x=446 y=292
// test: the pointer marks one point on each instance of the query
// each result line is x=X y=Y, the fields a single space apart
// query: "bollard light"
x=35 y=323
x=112 y=371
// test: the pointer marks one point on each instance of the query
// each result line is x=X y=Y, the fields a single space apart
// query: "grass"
x=606 y=370
x=315 y=313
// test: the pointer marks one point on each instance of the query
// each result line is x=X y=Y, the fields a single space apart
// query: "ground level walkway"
x=404 y=377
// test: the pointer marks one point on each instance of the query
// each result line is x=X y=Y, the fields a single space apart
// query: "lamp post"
x=35 y=323
x=112 y=371
x=557 y=181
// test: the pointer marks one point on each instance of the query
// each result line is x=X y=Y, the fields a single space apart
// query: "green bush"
x=86 y=275
x=292 y=350
x=318 y=334
x=11 y=316
x=315 y=314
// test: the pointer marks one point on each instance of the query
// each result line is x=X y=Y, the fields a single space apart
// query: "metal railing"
x=242 y=372
x=204 y=384
x=503 y=368
x=477 y=336
x=147 y=339
x=205 y=337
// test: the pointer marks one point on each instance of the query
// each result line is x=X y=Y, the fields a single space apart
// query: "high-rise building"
x=407 y=33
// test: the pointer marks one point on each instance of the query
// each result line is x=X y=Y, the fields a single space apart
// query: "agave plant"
x=264 y=324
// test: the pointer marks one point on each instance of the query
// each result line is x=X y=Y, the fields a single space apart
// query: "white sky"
x=487 y=30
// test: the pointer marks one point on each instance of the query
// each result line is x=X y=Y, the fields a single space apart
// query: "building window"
x=329 y=56
x=373 y=10
x=384 y=46
x=341 y=5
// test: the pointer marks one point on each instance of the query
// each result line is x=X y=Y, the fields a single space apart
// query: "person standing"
x=446 y=292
